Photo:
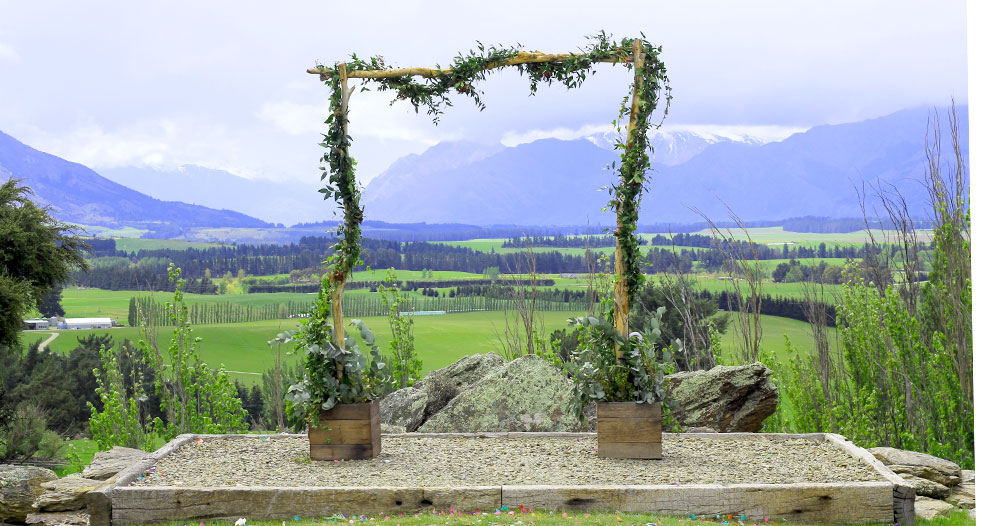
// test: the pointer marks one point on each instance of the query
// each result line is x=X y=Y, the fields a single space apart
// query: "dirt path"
x=41 y=346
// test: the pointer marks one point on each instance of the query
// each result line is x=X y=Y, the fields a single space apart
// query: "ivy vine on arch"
x=430 y=89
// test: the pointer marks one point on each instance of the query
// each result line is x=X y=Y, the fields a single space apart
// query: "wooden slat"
x=646 y=450
x=342 y=432
x=628 y=430
x=349 y=412
x=144 y=505
x=341 y=452
x=376 y=429
x=628 y=410
x=803 y=503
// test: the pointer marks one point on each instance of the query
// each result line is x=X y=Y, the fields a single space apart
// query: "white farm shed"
x=35 y=324
x=88 y=323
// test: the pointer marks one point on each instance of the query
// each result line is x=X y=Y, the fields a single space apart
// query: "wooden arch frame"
x=338 y=277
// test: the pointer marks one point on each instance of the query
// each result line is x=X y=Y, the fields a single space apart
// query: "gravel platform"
x=460 y=461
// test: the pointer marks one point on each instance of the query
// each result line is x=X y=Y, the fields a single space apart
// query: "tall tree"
x=37 y=253
x=51 y=304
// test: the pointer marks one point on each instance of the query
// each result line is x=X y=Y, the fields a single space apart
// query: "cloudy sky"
x=223 y=84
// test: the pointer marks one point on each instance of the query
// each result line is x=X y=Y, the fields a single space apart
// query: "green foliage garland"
x=337 y=373
x=433 y=94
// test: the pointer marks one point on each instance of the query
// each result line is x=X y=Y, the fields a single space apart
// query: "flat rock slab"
x=928 y=508
x=803 y=477
x=66 y=494
x=60 y=518
x=107 y=464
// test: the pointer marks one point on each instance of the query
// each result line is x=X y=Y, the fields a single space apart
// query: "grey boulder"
x=726 y=399
x=444 y=384
x=964 y=494
x=19 y=487
x=404 y=408
x=527 y=394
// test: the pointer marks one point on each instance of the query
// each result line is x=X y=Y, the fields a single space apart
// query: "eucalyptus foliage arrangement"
x=600 y=376
x=334 y=373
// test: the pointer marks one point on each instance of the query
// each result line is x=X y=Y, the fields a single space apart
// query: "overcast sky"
x=223 y=84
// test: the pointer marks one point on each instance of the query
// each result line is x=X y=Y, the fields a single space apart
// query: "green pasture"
x=772 y=236
x=440 y=340
x=86 y=302
x=106 y=232
x=778 y=235
x=132 y=244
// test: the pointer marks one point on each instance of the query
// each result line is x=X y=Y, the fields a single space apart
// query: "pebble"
x=407 y=462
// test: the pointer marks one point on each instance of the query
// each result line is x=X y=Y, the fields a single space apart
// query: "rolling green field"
x=440 y=340
x=82 y=303
x=765 y=236
x=130 y=244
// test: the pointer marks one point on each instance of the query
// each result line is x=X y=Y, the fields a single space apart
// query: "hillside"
x=285 y=202
x=554 y=182
x=80 y=195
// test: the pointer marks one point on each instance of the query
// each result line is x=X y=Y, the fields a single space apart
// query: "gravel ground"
x=408 y=462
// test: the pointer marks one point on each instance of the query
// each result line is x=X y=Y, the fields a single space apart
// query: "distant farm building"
x=36 y=324
x=86 y=323
x=39 y=324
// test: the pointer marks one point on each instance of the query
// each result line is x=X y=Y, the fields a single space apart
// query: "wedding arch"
x=429 y=89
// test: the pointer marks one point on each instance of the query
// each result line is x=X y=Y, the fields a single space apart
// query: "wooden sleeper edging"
x=890 y=499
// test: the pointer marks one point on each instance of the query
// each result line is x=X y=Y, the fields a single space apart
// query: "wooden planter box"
x=347 y=432
x=629 y=430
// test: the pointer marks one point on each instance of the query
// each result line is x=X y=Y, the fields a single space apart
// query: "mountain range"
x=818 y=172
x=80 y=195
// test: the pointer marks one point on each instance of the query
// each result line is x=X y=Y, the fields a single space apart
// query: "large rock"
x=926 y=488
x=107 y=464
x=724 y=398
x=928 y=508
x=66 y=494
x=921 y=465
x=404 y=408
x=19 y=487
x=60 y=518
x=527 y=394
x=964 y=494
x=444 y=384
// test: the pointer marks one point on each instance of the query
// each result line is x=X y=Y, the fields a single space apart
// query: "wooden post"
x=339 y=279
x=621 y=289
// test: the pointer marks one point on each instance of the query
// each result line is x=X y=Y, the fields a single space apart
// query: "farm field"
x=131 y=244
x=86 y=302
x=764 y=236
x=440 y=340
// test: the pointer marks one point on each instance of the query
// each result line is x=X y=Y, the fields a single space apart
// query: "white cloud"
x=513 y=138
x=292 y=118
x=162 y=144
x=8 y=54
x=370 y=114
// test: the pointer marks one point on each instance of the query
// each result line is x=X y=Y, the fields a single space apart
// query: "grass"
x=131 y=244
x=80 y=303
x=520 y=517
x=770 y=235
x=440 y=340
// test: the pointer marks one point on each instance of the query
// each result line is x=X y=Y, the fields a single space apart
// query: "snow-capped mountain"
x=675 y=147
